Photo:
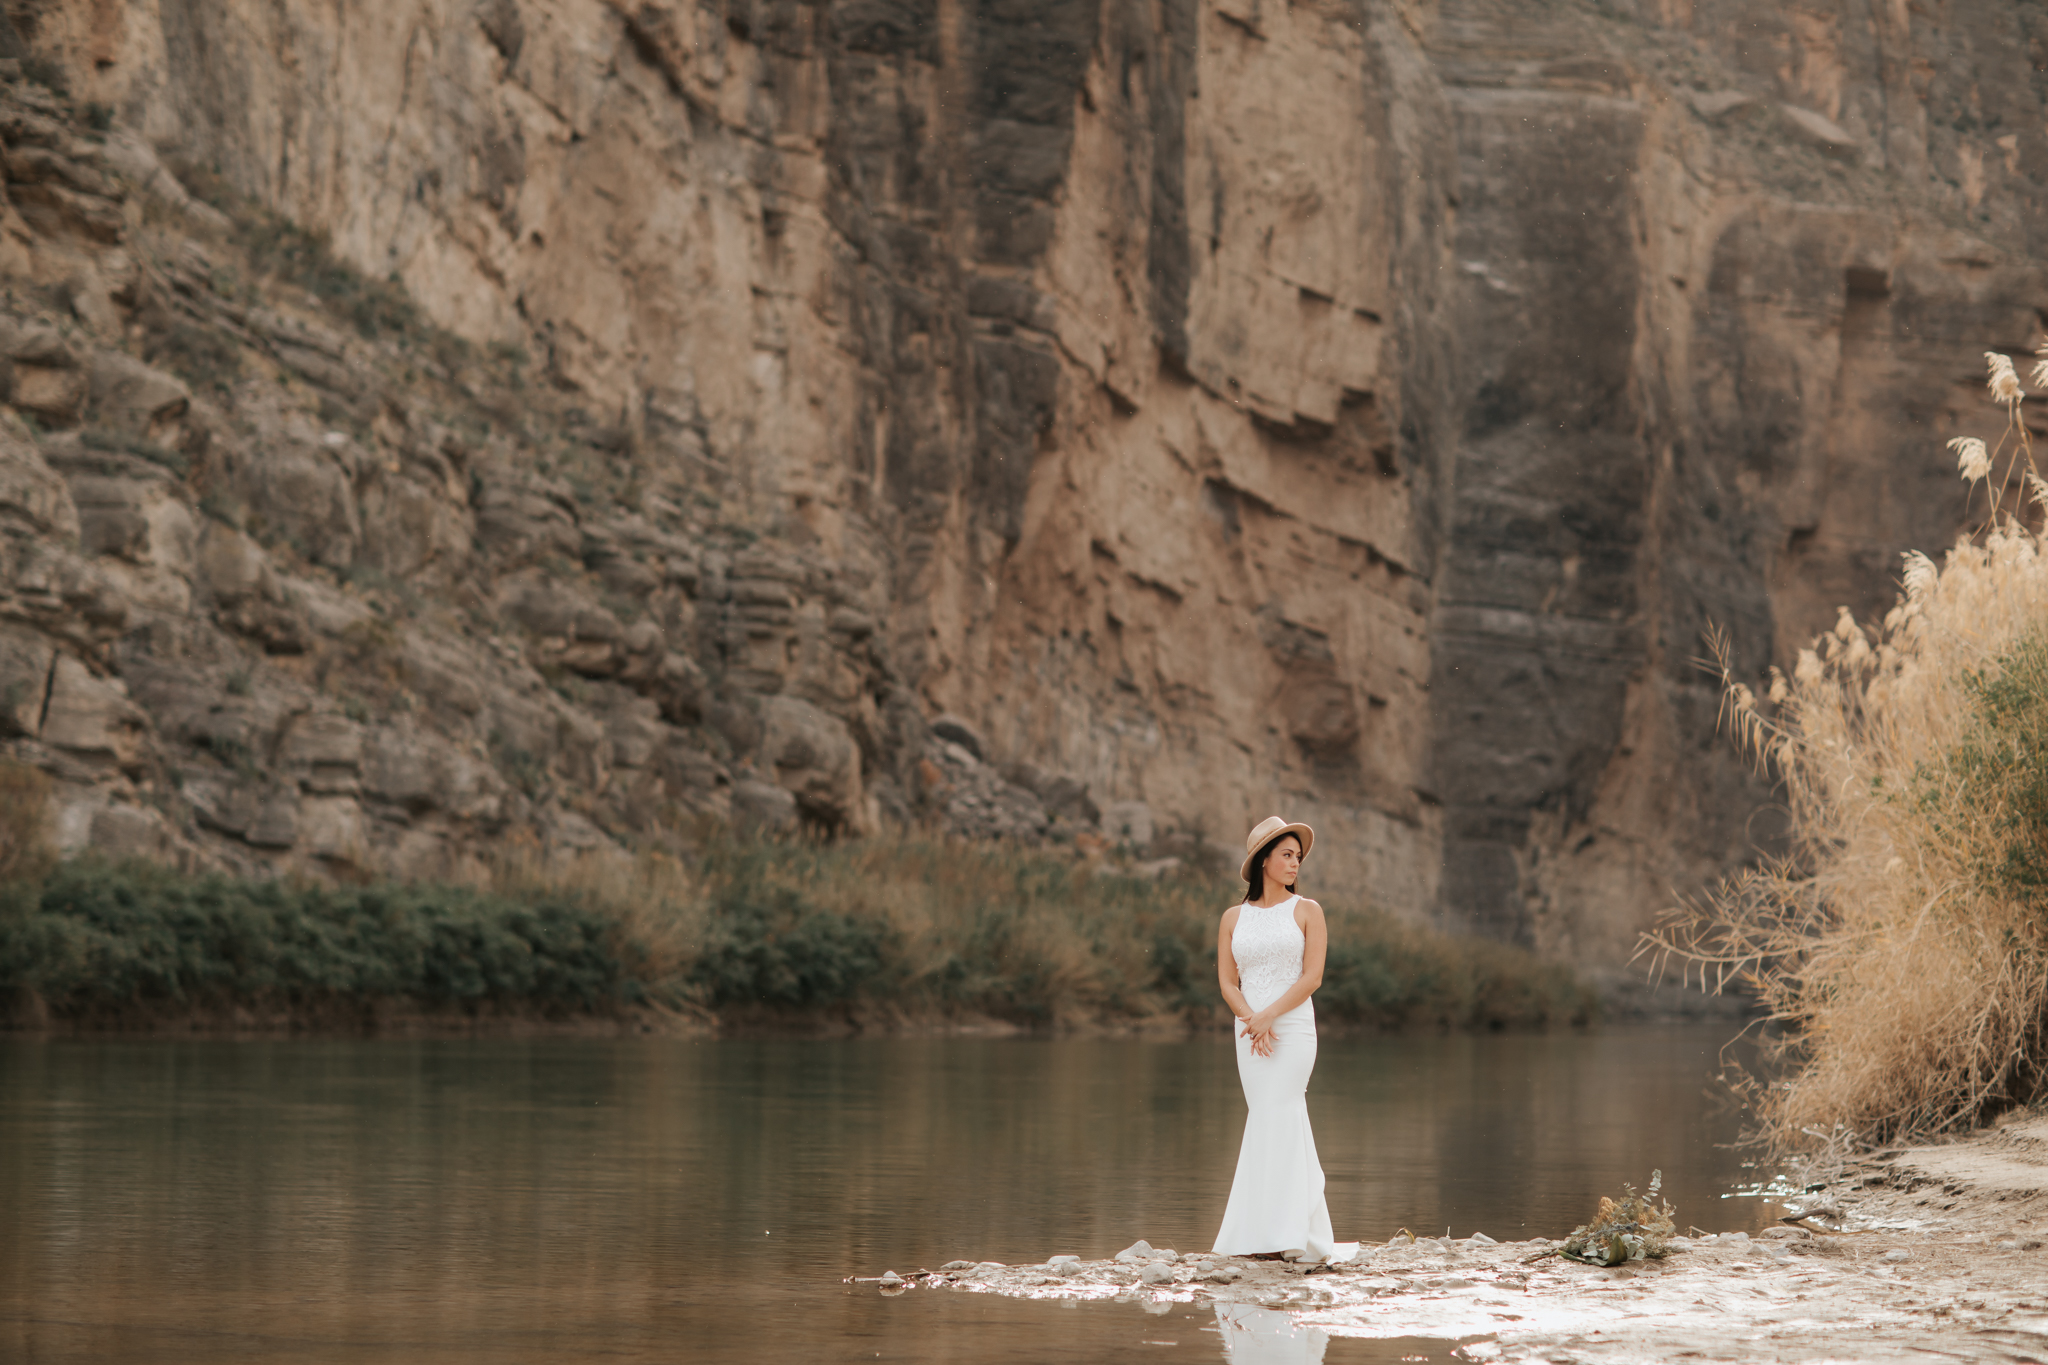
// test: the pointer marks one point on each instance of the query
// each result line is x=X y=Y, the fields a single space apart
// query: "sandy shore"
x=1938 y=1253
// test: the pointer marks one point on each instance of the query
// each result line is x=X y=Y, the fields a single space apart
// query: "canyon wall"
x=1099 y=419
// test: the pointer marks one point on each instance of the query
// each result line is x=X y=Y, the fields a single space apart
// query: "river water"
x=562 y=1200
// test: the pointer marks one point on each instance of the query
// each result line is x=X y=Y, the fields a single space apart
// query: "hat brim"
x=1301 y=831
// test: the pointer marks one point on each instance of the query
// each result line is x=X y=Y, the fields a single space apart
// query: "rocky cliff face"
x=1064 y=419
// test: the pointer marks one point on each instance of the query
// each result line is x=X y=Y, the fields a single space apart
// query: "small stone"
x=1167 y=1254
x=1735 y=1237
x=988 y=1267
x=1897 y=1254
x=2009 y=1244
x=1156 y=1272
x=957 y=1265
x=891 y=1278
x=1140 y=1250
x=1205 y=1267
x=1480 y=1239
x=1063 y=1259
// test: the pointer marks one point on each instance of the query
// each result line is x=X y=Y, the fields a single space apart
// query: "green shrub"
x=1387 y=975
x=893 y=923
x=103 y=937
x=1036 y=937
x=767 y=945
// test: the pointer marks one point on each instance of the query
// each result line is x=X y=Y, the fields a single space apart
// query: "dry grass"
x=914 y=926
x=656 y=902
x=1903 y=943
x=901 y=928
x=25 y=852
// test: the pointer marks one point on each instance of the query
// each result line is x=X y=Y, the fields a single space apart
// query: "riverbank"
x=1927 y=1251
x=898 y=934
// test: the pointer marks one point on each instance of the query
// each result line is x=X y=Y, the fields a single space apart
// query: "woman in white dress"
x=1269 y=961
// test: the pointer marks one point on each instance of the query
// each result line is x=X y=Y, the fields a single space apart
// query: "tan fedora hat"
x=1263 y=833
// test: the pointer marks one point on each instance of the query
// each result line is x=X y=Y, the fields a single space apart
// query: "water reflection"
x=1262 y=1336
x=522 y=1200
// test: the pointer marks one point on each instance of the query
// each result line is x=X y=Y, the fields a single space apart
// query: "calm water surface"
x=662 y=1200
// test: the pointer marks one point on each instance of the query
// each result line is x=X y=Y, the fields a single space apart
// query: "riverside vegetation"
x=1902 y=942
x=882 y=932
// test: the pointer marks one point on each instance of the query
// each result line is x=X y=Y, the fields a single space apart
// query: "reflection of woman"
x=1260 y=1336
x=1269 y=960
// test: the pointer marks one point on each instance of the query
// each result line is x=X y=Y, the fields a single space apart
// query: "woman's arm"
x=1226 y=968
x=1315 y=952
x=1233 y=993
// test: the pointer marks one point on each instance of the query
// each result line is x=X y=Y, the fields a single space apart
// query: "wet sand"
x=1934 y=1253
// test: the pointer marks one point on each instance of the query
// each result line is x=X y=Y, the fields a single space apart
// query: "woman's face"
x=1284 y=862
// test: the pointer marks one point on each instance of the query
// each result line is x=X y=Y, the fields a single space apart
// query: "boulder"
x=520 y=516
x=1818 y=130
x=412 y=529
x=1127 y=822
x=304 y=495
x=332 y=827
x=636 y=734
x=678 y=689
x=419 y=771
x=957 y=731
x=120 y=830
x=92 y=716
x=814 y=757
x=327 y=750
x=1064 y=798
x=442 y=674
x=232 y=566
x=574 y=630
x=132 y=398
x=762 y=808
x=25 y=659
x=31 y=493
x=71 y=598
x=46 y=377
x=274 y=822
x=113 y=516
x=699 y=783
x=39 y=343
x=974 y=802
x=249 y=596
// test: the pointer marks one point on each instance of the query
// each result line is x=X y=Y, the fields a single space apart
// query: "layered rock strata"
x=1217 y=406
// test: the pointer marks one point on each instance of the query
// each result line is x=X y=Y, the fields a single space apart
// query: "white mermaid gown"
x=1276 y=1201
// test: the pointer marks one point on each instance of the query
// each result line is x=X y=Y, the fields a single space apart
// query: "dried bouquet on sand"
x=1634 y=1229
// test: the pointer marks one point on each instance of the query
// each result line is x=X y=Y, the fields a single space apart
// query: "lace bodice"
x=1268 y=946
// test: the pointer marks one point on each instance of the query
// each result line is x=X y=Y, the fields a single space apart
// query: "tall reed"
x=1902 y=942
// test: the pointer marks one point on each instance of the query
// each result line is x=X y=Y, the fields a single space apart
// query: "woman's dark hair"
x=1258 y=891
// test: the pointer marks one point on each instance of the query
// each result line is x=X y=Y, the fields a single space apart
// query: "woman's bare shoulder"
x=1309 y=907
x=1230 y=915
